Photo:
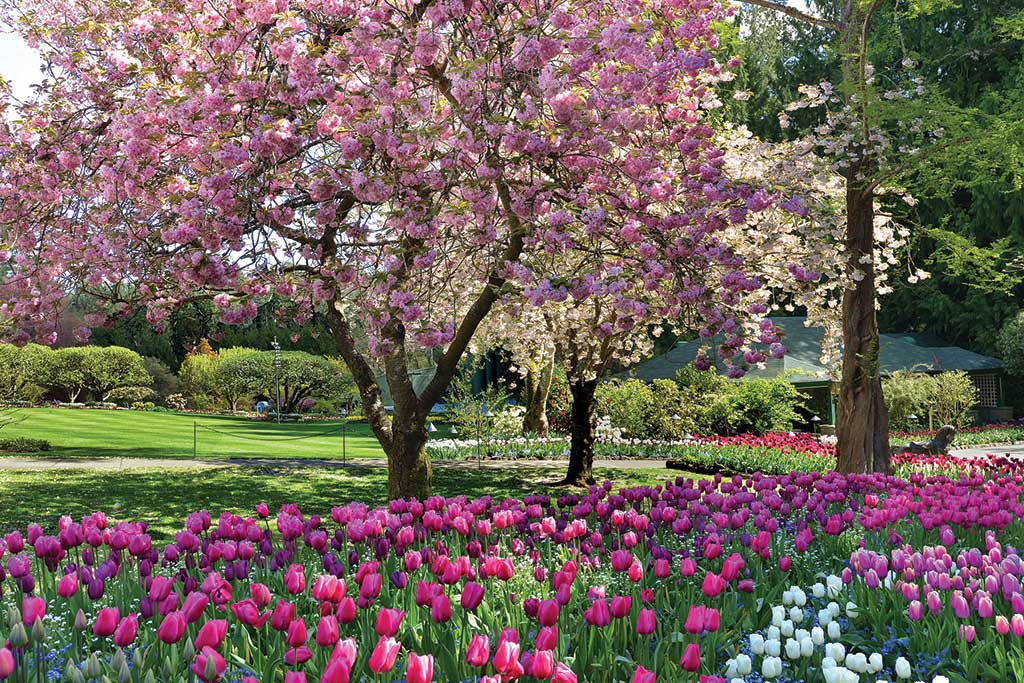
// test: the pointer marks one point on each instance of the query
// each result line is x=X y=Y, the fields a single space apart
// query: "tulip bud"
x=210 y=670
x=118 y=659
x=92 y=667
x=77 y=676
x=81 y=623
x=18 y=635
x=189 y=651
x=38 y=631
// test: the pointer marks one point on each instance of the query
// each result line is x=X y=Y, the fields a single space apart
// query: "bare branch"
x=795 y=14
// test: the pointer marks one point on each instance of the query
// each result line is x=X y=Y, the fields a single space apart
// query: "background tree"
x=110 y=368
x=165 y=382
x=66 y=372
x=237 y=374
x=1011 y=345
x=22 y=370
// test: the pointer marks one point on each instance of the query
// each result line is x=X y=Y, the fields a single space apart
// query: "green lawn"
x=164 y=498
x=81 y=433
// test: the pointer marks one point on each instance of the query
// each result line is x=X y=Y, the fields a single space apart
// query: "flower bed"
x=983 y=435
x=798 y=577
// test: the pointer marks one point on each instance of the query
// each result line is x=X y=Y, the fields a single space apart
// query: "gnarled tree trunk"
x=581 y=449
x=409 y=469
x=537 y=386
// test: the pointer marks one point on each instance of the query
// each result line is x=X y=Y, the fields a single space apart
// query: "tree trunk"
x=535 y=395
x=862 y=420
x=409 y=469
x=581 y=449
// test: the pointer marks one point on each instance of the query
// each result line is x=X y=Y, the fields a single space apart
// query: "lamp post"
x=277 y=374
x=344 y=428
x=815 y=420
x=912 y=419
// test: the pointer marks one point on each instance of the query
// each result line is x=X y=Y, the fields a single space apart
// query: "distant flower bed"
x=983 y=435
x=798 y=577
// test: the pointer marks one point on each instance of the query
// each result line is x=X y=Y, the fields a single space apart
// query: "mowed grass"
x=163 y=498
x=85 y=433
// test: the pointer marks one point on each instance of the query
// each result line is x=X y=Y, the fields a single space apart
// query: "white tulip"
x=792 y=648
x=850 y=676
x=773 y=633
x=801 y=633
x=778 y=615
x=875 y=663
x=833 y=607
x=796 y=615
x=737 y=680
x=851 y=610
x=806 y=647
x=818 y=590
x=730 y=668
x=817 y=635
x=835 y=585
x=787 y=597
x=786 y=628
x=940 y=679
x=881 y=680
x=824 y=617
x=827 y=663
x=799 y=597
x=772 y=648
x=771 y=667
x=902 y=667
x=757 y=643
x=836 y=651
x=743 y=664
x=856 y=661
x=831 y=674
x=834 y=631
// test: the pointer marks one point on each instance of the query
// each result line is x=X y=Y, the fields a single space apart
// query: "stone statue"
x=939 y=445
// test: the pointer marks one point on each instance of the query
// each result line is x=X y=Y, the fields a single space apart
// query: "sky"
x=19 y=64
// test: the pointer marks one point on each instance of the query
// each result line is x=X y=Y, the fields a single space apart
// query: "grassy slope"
x=164 y=498
x=134 y=434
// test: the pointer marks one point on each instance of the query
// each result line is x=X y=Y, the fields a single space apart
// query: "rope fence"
x=196 y=427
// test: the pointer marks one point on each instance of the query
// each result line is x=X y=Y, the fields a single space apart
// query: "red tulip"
x=691 y=657
x=106 y=621
x=211 y=634
x=621 y=604
x=547 y=613
x=479 y=650
x=172 y=628
x=124 y=634
x=384 y=654
x=420 y=668
x=327 y=631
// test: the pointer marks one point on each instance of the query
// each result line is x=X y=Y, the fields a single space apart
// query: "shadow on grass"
x=164 y=498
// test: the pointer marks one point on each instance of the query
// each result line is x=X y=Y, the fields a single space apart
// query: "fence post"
x=195 y=439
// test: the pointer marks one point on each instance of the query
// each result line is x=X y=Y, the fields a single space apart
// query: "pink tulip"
x=124 y=634
x=384 y=654
x=211 y=634
x=1002 y=625
x=1017 y=625
x=441 y=608
x=915 y=610
x=106 y=621
x=563 y=674
x=199 y=667
x=691 y=657
x=194 y=606
x=645 y=622
x=506 y=656
x=688 y=567
x=542 y=664
x=294 y=677
x=68 y=585
x=642 y=675
x=695 y=619
x=547 y=612
x=284 y=613
x=33 y=608
x=472 y=596
x=621 y=604
x=420 y=668
x=347 y=610
x=713 y=585
x=547 y=638
x=297 y=634
x=295 y=579
x=327 y=631
x=172 y=628
x=479 y=651
x=6 y=662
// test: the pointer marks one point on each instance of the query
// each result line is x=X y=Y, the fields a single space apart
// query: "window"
x=988 y=390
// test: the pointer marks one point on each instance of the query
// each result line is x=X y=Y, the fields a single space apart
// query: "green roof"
x=802 y=361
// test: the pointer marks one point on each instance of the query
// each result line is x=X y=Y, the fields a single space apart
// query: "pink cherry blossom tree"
x=387 y=163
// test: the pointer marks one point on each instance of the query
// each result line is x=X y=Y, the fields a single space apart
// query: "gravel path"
x=118 y=464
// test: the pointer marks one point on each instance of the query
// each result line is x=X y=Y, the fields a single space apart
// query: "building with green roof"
x=802 y=366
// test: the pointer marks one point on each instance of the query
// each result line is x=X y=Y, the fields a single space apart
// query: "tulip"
x=297 y=634
x=6 y=662
x=597 y=614
x=294 y=677
x=295 y=579
x=297 y=655
x=642 y=675
x=621 y=604
x=106 y=622
x=420 y=668
x=388 y=621
x=211 y=634
x=542 y=665
x=547 y=612
x=248 y=612
x=563 y=674
x=711 y=620
x=33 y=608
x=327 y=631
x=195 y=605
x=124 y=634
x=68 y=585
x=1017 y=625
x=260 y=594
x=384 y=654
x=713 y=585
x=506 y=656
x=902 y=668
x=688 y=567
x=479 y=651
x=691 y=657
x=645 y=622
x=695 y=619
x=172 y=628
x=441 y=608
x=284 y=613
x=347 y=611
x=472 y=596
x=1002 y=625
x=915 y=610
x=209 y=665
